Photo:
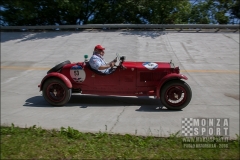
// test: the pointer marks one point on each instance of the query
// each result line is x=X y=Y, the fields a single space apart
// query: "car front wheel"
x=175 y=94
x=56 y=92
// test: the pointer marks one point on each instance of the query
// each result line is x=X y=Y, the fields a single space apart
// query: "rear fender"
x=168 y=78
x=57 y=75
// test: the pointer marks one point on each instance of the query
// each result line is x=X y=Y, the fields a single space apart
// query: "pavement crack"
x=189 y=55
x=118 y=119
x=231 y=38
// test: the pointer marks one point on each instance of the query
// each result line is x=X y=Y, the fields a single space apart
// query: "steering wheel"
x=117 y=56
x=115 y=60
x=120 y=59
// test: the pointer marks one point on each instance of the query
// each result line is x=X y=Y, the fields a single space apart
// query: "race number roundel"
x=150 y=65
x=77 y=73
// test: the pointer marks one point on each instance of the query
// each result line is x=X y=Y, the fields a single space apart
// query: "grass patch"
x=68 y=143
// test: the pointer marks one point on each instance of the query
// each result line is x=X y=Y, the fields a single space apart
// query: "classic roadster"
x=159 y=79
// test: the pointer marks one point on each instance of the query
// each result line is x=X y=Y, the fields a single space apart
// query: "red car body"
x=128 y=79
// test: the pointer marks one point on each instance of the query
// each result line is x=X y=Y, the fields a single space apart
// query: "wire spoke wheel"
x=56 y=92
x=176 y=94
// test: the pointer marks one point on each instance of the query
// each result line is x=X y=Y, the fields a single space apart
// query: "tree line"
x=72 y=12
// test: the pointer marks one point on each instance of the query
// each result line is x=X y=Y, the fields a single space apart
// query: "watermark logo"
x=205 y=132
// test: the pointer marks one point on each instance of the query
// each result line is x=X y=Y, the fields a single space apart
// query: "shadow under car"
x=146 y=104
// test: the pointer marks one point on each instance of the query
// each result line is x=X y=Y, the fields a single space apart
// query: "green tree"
x=81 y=10
x=34 y=12
x=214 y=11
x=168 y=12
x=201 y=13
x=50 y=12
x=235 y=11
x=119 y=11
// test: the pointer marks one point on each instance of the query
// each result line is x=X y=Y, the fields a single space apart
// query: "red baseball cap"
x=99 y=47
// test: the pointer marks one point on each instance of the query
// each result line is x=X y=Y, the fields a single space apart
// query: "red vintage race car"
x=160 y=79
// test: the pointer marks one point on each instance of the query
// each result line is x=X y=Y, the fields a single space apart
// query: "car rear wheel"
x=58 y=67
x=176 y=94
x=56 y=92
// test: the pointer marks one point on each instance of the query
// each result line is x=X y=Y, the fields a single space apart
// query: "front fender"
x=58 y=75
x=167 y=78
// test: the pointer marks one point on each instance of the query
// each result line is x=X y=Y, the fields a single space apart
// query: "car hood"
x=147 y=65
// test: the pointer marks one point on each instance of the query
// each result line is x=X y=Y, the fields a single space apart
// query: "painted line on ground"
x=23 y=68
x=186 y=71
x=210 y=71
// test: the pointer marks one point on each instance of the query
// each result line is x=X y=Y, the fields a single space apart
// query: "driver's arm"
x=110 y=64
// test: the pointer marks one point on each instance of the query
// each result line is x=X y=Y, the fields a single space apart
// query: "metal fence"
x=178 y=27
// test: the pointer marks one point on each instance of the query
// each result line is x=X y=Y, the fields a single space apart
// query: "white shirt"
x=96 y=61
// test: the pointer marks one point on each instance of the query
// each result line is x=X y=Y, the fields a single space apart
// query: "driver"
x=97 y=62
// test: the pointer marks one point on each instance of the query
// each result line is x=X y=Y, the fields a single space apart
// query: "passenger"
x=98 y=63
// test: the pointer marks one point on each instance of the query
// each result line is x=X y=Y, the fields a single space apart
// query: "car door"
x=128 y=80
x=106 y=84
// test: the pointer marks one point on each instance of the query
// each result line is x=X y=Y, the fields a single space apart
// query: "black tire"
x=171 y=91
x=56 y=92
x=58 y=67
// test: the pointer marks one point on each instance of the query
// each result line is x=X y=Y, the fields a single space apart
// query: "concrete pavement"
x=209 y=60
